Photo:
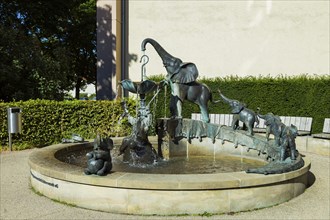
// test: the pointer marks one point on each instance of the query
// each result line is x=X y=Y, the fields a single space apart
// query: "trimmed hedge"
x=303 y=95
x=46 y=122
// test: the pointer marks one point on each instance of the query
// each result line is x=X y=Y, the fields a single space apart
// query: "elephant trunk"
x=227 y=100
x=166 y=57
x=260 y=115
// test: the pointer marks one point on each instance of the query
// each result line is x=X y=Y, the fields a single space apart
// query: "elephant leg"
x=123 y=147
x=292 y=149
x=277 y=137
x=235 y=122
x=277 y=141
x=179 y=108
x=105 y=168
x=282 y=153
x=176 y=107
x=249 y=125
x=87 y=172
x=250 y=129
x=173 y=108
x=267 y=133
x=176 y=100
x=293 y=153
x=205 y=113
x=108 y=166
x=283 y=149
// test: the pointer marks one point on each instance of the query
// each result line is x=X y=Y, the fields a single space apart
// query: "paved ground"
x=18 y=201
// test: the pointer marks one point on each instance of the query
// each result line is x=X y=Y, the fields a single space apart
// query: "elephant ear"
x=147 y=86
x=129 y=85
x=269 y=121
x=237 y=108
x=294 y=130
x=107 y=143
x=186 y=73
x=97 y=141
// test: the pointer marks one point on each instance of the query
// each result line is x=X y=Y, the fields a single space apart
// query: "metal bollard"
x=14 y=122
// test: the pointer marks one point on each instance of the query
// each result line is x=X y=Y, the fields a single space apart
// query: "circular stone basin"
x=177 y=165
x=159 y=194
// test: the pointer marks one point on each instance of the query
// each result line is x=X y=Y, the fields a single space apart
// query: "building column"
x=111 y=49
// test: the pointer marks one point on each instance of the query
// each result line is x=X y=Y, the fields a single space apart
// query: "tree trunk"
x=77 y=93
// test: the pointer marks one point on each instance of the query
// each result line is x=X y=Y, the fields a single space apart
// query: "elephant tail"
x=258 y=113
x=214 y=101
x=258 y=110
x=256 y=120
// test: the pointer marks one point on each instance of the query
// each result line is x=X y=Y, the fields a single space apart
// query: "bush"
x=46 y=122
x=304 y=95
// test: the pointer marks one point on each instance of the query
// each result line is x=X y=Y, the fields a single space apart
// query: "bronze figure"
x=181 y=76
x=241 y=113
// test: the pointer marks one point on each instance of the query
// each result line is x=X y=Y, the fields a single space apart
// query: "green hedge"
x=302 y=95
x=46 y=122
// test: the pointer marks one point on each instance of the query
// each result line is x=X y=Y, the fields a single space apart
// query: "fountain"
x=189 y=167
x=137 y=148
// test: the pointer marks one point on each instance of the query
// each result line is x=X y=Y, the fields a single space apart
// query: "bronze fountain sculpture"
x=137 y=149
x=181 y=76
x=284 y=135
x=241 y=113
x=273 y=126
x=99 y=160
x=177 y=183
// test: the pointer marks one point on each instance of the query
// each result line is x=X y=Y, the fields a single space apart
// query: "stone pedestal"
x=178 y=137
x=171 y=131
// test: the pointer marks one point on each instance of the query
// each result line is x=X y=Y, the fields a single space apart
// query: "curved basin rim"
x=43 y=161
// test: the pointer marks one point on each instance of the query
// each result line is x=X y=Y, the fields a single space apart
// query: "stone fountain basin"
x=160 y=194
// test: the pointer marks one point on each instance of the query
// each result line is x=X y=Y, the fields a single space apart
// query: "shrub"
x=303 y=95
x=46 y=122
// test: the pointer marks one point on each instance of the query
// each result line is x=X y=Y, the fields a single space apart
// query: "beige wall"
x=107 y=24
x=233 y=37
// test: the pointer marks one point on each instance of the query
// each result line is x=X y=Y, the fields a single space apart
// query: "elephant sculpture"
x=182 y=77
x=241 y=113
x=288 y=144
x=273 y=126
x=99 y=160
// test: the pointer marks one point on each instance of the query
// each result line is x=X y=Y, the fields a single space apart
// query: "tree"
x=83 y=28
x=46 y=48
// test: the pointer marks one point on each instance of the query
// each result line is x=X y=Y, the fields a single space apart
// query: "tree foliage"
x=46 y=48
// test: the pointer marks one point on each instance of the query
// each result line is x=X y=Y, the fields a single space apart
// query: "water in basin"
x=177 y=165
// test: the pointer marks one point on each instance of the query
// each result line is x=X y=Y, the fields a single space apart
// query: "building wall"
x=107 y=59
x=233 y=37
